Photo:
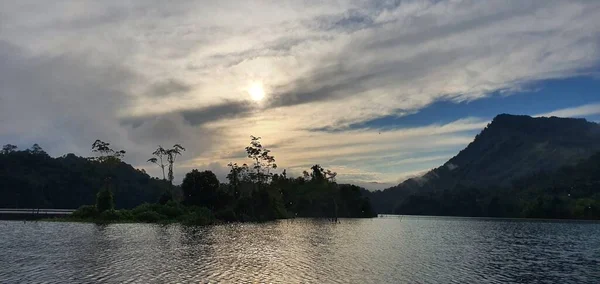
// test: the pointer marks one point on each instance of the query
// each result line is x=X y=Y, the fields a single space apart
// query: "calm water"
x=382 y=250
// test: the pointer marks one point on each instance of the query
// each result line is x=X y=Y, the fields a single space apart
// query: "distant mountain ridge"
x=510 y=147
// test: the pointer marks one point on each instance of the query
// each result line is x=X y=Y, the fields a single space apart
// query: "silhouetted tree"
x=8 y=148
x=236 y=176
x=106 y=154
x=111 y=158
x=105 y=200
x=263 y=162
x=200 y=188
x=160 y=152
x=37 y=150
x=171 y=156
x=320 y=174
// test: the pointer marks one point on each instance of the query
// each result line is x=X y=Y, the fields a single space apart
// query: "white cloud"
x=579 y=111
x=142 y=73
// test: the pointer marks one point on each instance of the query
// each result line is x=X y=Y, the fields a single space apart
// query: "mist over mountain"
x=509 y=148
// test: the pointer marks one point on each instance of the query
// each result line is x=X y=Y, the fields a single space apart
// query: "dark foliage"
x=572 y=192
x=32 y=179
x=200 y=188
x=105 y=200
x=508 y=149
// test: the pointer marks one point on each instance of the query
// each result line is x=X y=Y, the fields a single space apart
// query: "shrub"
x=165 y=198
x=198 y=216
x=110 y=215
x=144 y=208
x=171 y=210
x=150 y=217
x=105 y=200
x=125 y=215
x=227 y=215
x=86 y=212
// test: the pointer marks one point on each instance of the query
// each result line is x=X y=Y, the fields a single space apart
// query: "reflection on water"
x=383 y=250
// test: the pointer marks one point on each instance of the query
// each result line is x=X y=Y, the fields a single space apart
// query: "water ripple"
x=414 y=250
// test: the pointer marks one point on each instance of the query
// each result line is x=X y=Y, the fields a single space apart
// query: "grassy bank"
x=172 y=212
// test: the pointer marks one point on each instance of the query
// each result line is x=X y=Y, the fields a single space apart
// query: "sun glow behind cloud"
x=256 y=92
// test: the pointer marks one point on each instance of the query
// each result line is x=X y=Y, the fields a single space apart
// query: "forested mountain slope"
x=509 y=148
x=32 y=179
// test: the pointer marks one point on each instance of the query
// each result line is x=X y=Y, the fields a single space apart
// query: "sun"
x=257 y=92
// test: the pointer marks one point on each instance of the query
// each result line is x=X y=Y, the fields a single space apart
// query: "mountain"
x=32 y=179
x=509 y=148
x=571 y=192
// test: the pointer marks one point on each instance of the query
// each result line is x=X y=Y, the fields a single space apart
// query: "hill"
x=509 y=148
x=32 y=179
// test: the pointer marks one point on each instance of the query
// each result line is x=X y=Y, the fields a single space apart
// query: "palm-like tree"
x=160 y=152
x=169 y=155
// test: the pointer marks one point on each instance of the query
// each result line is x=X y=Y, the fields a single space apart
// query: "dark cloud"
x=349 y=21
x=63 y=102
x=168 y=88
x=216 y=112
x=347 y=82
x=202 y=115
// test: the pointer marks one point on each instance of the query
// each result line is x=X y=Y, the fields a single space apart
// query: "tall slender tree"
x=263 y=161
x=167 y=156
x=160 y=152
x=110 y=157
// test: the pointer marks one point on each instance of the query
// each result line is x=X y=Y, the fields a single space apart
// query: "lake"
x=379 y=250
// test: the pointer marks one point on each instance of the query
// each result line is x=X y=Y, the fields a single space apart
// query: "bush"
x=86 y=212
x=198 y=216
x=165 y=198
x=105 y=200
x=125 y=215
x=110 y=215
x=171 y=210
x=144 y=208
x=150 y=217
x=227 y=215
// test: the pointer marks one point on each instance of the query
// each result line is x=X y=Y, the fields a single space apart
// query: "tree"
x=160 y=152
x=111 y=158
x=37 y=150
x=320 y=174
x=8 y=148
x=236 y=176
x=170 y=155
x=200 y=188
x=263 y=162
x=107 y=154
x=105 y=200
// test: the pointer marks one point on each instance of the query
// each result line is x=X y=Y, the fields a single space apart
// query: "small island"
x=254 y=193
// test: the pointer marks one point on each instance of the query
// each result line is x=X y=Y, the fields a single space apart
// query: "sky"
x=378 y=91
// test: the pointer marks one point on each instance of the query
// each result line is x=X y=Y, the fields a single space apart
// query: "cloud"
x=579 y=111
x=63 y=102
x=201 y=115
x=143 y=73
x=168 y=88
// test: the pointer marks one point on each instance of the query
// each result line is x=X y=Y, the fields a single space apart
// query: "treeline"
x=255 y=193
x=571 y=192
x=30 y=178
